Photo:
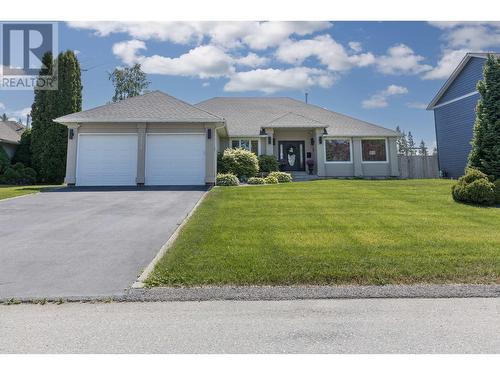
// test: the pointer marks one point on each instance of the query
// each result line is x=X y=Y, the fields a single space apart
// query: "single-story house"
x=10 y=136
x=454 y=109
x=156 y=139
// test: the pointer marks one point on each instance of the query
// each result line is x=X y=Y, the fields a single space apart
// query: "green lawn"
x=335 y=232
x=8 y=191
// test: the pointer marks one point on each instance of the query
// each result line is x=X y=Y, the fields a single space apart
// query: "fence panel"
x=418 y=166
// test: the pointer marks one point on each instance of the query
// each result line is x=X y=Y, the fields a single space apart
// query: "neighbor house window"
x=247 y=144
x=374 y=150
x=337 y=150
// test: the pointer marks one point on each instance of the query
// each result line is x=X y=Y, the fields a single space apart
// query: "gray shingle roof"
x=154 y=106
x=246 y=116
x=10 y=131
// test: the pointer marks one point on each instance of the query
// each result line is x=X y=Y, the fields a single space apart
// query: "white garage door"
x=106 y=160
x=175 y=159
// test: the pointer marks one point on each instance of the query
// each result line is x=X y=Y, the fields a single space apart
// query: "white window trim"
x=245 y=139
x=340 y=139
x=379 y=161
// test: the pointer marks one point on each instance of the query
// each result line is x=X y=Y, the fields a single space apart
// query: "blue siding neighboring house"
x=454 y=109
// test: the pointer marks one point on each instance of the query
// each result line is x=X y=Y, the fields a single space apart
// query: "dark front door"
x=291 y=155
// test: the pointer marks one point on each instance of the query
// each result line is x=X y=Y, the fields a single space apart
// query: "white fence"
x=417 y=166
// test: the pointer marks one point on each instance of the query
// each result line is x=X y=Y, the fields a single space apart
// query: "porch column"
x=320 y=150
x=141 y=154
x=269 y=146
x=210 y=153
x=356 y=156
x=72 y=149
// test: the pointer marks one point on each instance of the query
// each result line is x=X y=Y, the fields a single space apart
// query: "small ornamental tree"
x=411 y=144
x=485 y=153
x=422 y=149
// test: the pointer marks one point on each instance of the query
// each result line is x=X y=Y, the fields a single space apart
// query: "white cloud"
x=446 y=64
x=273 y=80
x=253 y=60
x=416 y=105
x=325 y=49
x=401 y=59
x=205 y=84
x=460 y=38
x=355 y=46
x=203 y=61
x=256 y=35
x=379 y=100
x=2 y=106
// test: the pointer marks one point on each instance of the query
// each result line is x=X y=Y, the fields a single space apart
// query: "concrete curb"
x=139 y=283
x=280 y=293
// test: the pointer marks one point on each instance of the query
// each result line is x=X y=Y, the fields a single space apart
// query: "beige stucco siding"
x=142 y=129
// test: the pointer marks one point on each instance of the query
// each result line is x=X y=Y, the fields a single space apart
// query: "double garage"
x=112 y=159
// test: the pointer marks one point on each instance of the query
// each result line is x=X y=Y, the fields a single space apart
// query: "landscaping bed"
x=335 y=232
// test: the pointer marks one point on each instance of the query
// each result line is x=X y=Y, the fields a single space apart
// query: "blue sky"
x=381 y=72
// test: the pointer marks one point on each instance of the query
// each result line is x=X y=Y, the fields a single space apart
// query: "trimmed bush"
x=226 y=179
x=474 y=187
x=242 y=163
x=18 y=174
x=497 y=191
x=221 y=165
x=472 y=174
x=282 y=177
x=268 y=163
x=271 y=180
x=256 y=181
x=4 y=160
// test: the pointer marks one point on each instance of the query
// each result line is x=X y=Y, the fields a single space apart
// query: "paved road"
x=306 y=326
x=86 y=242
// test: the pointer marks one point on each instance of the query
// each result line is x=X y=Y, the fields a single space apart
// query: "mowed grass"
x=335 y=232
x=8 y=191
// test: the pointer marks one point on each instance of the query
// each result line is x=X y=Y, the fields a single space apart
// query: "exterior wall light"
x=71 y=133
x=320 y=139
x=209 y=133
x=312 y=141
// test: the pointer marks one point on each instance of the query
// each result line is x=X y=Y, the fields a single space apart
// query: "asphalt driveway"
x=85 y=242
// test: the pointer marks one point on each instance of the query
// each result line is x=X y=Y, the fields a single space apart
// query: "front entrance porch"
x=292 y=155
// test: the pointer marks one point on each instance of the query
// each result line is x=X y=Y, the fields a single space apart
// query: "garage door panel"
x=175 y=159
x=107 y=160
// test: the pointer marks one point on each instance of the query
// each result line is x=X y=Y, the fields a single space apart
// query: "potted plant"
x=310 y=165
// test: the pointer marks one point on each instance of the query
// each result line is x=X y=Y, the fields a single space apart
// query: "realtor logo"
x=23 y=47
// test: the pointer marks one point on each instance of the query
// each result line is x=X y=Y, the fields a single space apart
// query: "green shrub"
x=497 y=191
x=271 y=180
x=472 y=174
x=268 y=163
x=474 y=187
x=282 y=177
x=256 y=181
x=242 y=163
x=226 y=179
x=221 y=164
x=18 y=174
x=4 y=160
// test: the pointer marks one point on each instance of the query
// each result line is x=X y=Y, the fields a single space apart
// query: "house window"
x=374 y=150
x=247 y=144
x=338 y=150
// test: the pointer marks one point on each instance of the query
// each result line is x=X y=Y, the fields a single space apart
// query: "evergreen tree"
x=411 y=145
x=4 y=117
x=128 y=82
x=49 y=139
x=422 y=149
x=23 y=150
x=401 y=142
x=485 y=153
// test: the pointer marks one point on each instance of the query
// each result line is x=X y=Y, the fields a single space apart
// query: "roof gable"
x=456 y=73
x=294 y=120
x=154 y=106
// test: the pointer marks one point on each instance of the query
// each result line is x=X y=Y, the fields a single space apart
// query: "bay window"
x=374 y=150
x=337 y=150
